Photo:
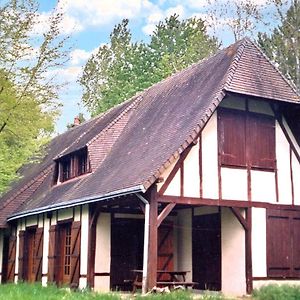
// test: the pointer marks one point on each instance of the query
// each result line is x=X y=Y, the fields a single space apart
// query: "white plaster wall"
x=77 y=213
x=259 y=242
x=103 y=252
x=64 y=214
x=283 y=166
x=1 y=253
x=296 y=179
x=166 y=174
x=184 y=242
x=234 y=184
x=84 y=246
x=261 y=107
x=31 y=221
x=45 y=250
x=210 y=159
x=20 y=226
x=233 y=254
x=191 y=182
x=263 y=186
x=290 y=134
x=174 y=186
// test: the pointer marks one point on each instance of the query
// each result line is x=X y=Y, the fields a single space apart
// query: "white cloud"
x=80 y=56
x=159 y=15
x=68 y=24
x=95 y=12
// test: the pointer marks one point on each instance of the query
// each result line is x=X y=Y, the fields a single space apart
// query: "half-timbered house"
x=199 y=172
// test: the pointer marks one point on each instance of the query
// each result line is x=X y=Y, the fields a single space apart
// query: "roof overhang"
x=80 y=201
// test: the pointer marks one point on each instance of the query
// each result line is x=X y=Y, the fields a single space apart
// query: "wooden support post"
x=248 y=240
x=152 y=258
x=93 y=217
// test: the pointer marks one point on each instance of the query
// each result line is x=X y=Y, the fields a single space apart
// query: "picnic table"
x=175 y=278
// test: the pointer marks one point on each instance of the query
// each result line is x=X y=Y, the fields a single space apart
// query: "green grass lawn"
x=24 y=291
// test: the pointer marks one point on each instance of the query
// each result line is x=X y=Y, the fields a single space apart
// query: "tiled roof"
x=132 y=144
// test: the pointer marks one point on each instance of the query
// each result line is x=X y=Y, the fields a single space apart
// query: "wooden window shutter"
x=231 y=135
x=22 y=256
x=279 y=260
x=75 y=254
x=261 y=141
x=38 y=255
x=52 y=253
x=11 y=258
x=296 y=244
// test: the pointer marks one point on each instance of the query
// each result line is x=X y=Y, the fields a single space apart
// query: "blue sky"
x=89 y=23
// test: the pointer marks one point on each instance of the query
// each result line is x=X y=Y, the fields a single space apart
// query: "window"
x=283 y=243
x=72 y=165
x=246 y=139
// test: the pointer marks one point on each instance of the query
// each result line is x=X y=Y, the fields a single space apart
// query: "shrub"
x=277 y=292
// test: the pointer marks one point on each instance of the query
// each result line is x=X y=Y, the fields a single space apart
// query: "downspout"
x=146 y=243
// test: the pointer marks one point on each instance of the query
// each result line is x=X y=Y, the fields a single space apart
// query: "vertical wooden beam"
x=248 y=241
x=200 y=165
x=93 y=217
x=152 y=258
x=292 y=177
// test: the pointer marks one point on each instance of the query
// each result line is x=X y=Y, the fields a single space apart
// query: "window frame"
x=72 y=165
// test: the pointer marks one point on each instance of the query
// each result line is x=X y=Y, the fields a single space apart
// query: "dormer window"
x=72 y=165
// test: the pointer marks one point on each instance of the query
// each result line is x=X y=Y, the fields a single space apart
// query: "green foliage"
x=28 y=93
x=283 y=44
x=276 y=292
x=175 y=295
x=24 y=291
x=122 y=68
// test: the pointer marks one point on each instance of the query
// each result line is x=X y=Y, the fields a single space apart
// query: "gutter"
x=146 y=243
x=79 y=201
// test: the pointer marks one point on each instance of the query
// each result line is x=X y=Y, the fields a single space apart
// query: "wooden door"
x=207 y=251
x=31 y=261
x=64 y=254
x=126 y=250
x=5 y=259
x=165 y=261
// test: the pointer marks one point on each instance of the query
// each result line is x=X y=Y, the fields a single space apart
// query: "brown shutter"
x=261 y=141
x=38 y=255
x=52 y=253
x=279 y=246
x=11 y=258
x=231 y=135
x=75 y=254
x=296 y=244
x=165 y=250
x=22 y=256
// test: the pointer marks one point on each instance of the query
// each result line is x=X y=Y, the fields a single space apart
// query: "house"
x=198 y=172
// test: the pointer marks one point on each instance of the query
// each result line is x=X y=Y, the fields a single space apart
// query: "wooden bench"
x=173 y=284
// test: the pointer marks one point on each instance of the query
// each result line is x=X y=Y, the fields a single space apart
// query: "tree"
x=240 y=17
x=283 y=44
x=122 y=68
x=28 y=93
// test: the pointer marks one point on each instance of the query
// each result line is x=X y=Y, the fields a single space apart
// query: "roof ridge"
x=288 y=81
x=234 y=64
